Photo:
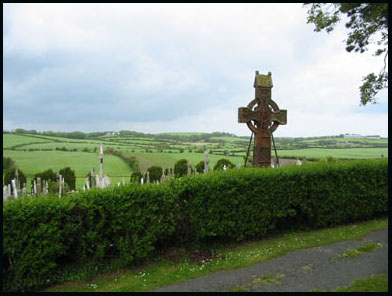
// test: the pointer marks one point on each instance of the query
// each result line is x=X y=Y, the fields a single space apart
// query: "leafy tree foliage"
x=368 y=24
x=10 y=174
x=8 y=163
x=155 y=173
x=69 y=177
x=48 y=175
x=136 y=177
x=180 y=168
x=200 y=167
x=221 y=162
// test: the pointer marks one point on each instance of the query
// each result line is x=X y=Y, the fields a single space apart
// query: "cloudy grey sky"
x=179 y=68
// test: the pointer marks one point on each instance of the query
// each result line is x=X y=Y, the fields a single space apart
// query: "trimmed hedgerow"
x=239 y=204
x=49 y=239
x=43 y=235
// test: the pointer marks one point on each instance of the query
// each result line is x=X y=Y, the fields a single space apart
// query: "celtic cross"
x=263 y=116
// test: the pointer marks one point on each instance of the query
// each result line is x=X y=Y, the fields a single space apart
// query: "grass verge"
x=355 y=252
x=161 y=271
x=376 y=283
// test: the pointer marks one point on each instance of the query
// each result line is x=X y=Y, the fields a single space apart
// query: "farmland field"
x=82 y=163
x=337 y=153
x=164 y=150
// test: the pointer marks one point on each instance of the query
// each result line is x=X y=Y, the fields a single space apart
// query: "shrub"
x=200 y=167
x=155 y=173
x=221 y=163
x=69 y=177
x=136 y=177
x=8 y=163
x=181 y=168
x=46 y=236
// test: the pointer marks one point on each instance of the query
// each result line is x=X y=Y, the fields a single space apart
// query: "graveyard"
x=138 y=196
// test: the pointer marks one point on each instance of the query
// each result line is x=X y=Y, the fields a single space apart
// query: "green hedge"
x=48 y=240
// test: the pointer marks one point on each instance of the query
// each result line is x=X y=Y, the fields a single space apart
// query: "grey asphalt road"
x=298 y=271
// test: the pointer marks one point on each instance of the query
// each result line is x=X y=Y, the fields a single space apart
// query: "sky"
x=158 y=68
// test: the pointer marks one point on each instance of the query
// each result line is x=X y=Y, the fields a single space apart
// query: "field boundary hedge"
x=47 y=240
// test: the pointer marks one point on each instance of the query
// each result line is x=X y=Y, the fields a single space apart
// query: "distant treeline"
x=124 y=133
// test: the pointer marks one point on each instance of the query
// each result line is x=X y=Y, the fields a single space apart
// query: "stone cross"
x=100 y=161
x=206 y=162
x=263 y=116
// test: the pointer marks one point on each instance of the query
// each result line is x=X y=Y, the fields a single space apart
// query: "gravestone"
x=206 y=162
x=8 y=190
x=123 y=181
x=189 y=171
x=148 y=177
x=141 y=181
x=97 y=181
x=24 y=189
x=5 y=192
x=93 y=180
x=35 y=187
x=13 y=182
x=38 y=186
x=86 y=183
x=60 y=184
x=263 y=116
x=224 y=167
x=298 y=162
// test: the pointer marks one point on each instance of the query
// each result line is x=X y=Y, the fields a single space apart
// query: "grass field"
x=32 y=162
x=10 y=140
x=82 y=163
x=337 y=153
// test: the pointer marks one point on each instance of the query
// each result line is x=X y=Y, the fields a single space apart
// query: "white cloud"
x=199 y=57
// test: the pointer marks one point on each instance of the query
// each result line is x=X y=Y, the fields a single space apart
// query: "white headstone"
x=35 y=187
x=118 y=184
x=9 y=190
x=13 y=182
x=24 y=189
x=97 y=181
x=141 y=181
x=224 y=167
x=298 y=162
x=60 y=184
x=5 y=192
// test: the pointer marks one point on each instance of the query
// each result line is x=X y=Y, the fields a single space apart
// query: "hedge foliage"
x=44 y=237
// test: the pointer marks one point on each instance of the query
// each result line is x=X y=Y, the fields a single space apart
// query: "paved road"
x=298 y=271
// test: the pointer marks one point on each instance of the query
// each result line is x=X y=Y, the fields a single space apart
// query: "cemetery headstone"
x=141 y=181
x=35 y=187
x=13 y=182
x=24 y=189
x=263 y=116
x=5 y=192
x=206 y=162
x=8 y=190
x=148 y=177
x=60 y=184
x=298 y=162
x=93 y=179
x=38 y=186
x=224 y=167
x=189 y=171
